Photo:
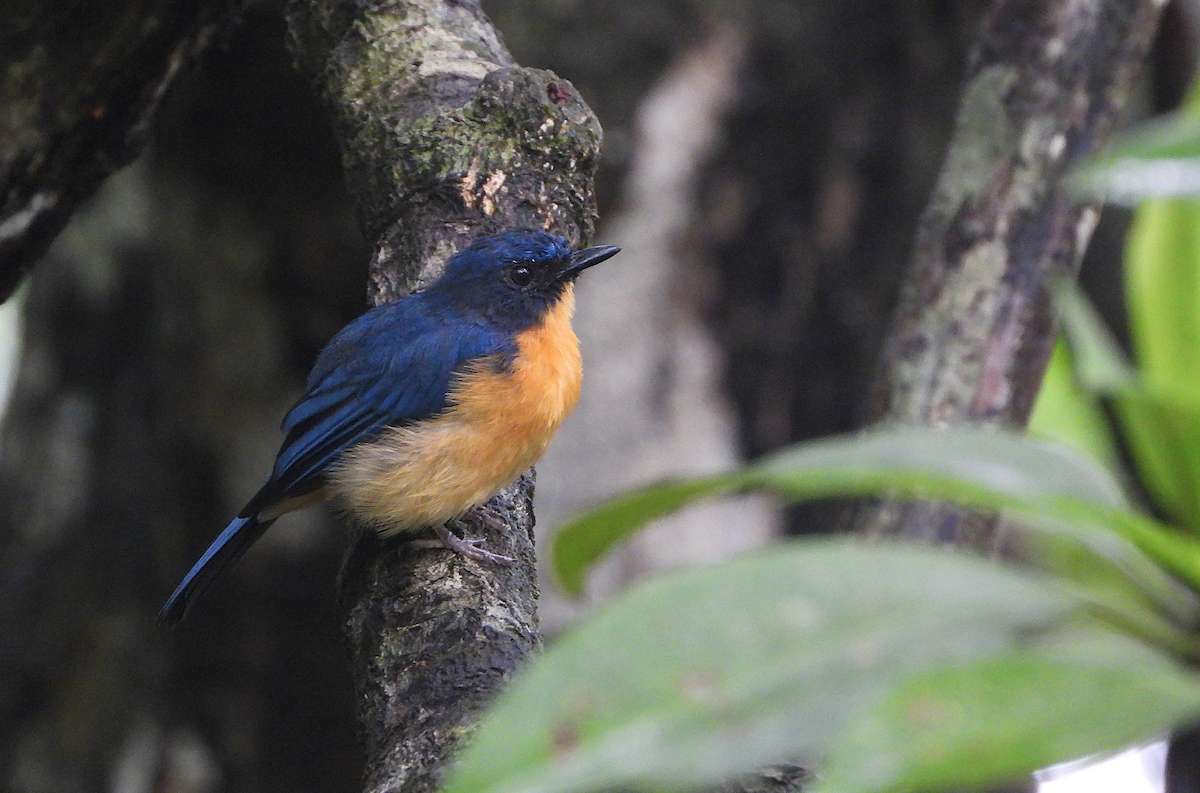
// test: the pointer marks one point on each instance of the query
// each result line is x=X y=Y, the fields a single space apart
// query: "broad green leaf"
x=1145 y=422
x=1159 y=415
x=1069 y=414
x=699 y=676
x=1103 y=369
x=1071 y=509
x=1126 y=586
x=1163 y=435
x=1118 y=555
x=997 y=719
x=1159 y=158
x=1096 y=355
x=963 y=459
x=971 y=465
x=590 y=535
x=1177 y=552
x=1050 y=490
x=1162 y=276
x=1162 y=279
x=1066 y=501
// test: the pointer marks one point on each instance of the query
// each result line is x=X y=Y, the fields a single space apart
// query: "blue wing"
x=390 y=367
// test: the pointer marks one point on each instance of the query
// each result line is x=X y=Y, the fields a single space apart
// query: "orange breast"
x=498 y=425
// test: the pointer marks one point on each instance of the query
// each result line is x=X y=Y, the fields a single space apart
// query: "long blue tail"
x=224 y=551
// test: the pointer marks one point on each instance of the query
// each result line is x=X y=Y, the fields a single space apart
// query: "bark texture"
x=81 y=84
x=974 y=329
x=444 y=139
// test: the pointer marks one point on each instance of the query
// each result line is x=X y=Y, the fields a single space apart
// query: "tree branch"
x=81 y=85
x=443 y=139
x=975 y=328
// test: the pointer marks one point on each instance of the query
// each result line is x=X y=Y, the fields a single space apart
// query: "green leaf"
x=966 y=463
x=1162 y=279
x=975 y=466
x=587 y=538
x=1158 y=158
x=1158 y=410
x=699 y=676
x=997 y=719
x=1125 y=585
x=1071 y=509
x=1043 y=486
x=1098 y=360
x=1177 y=552
x=1148 y=425
x=1162 y=418
x=1163 y=435
x=1067 y=413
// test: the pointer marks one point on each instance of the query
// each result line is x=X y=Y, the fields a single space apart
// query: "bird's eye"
x=520 y=275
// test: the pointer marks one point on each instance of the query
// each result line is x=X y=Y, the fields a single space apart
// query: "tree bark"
x=81 y=85
x=444 y=139
x=975 y=326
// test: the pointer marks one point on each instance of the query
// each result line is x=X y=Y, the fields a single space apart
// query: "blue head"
x=514 y=277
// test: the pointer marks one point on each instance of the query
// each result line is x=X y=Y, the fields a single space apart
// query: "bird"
x=420 y=410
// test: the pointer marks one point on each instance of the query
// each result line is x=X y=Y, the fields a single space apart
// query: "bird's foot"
x=469 y=548
x=484 y=516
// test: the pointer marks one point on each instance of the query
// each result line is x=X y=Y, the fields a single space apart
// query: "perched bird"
x=420 y=410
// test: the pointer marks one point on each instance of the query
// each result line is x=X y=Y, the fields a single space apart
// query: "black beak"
x=581 y=260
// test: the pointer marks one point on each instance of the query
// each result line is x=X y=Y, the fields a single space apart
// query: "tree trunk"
x=975 y=327
x=444 y=139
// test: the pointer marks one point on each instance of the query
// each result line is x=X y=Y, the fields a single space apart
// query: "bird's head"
x=514 y=277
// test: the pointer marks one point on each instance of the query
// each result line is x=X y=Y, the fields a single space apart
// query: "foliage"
x=810 y=651
x=1160 y=159
x=889 y=667
x=1157 y=402
x=935 y=659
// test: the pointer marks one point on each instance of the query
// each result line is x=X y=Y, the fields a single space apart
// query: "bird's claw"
x=469 y=548
x=483 y=517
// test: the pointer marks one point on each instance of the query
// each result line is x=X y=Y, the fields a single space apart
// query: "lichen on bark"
x=443 y=136
x=974 y=328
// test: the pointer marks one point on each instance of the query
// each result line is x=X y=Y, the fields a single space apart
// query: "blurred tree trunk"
x=974 y=329
x=975 y=326
x=81 y=86
x=166 y=332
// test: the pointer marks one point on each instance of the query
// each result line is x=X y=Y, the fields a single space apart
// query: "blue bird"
x=420 y=410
